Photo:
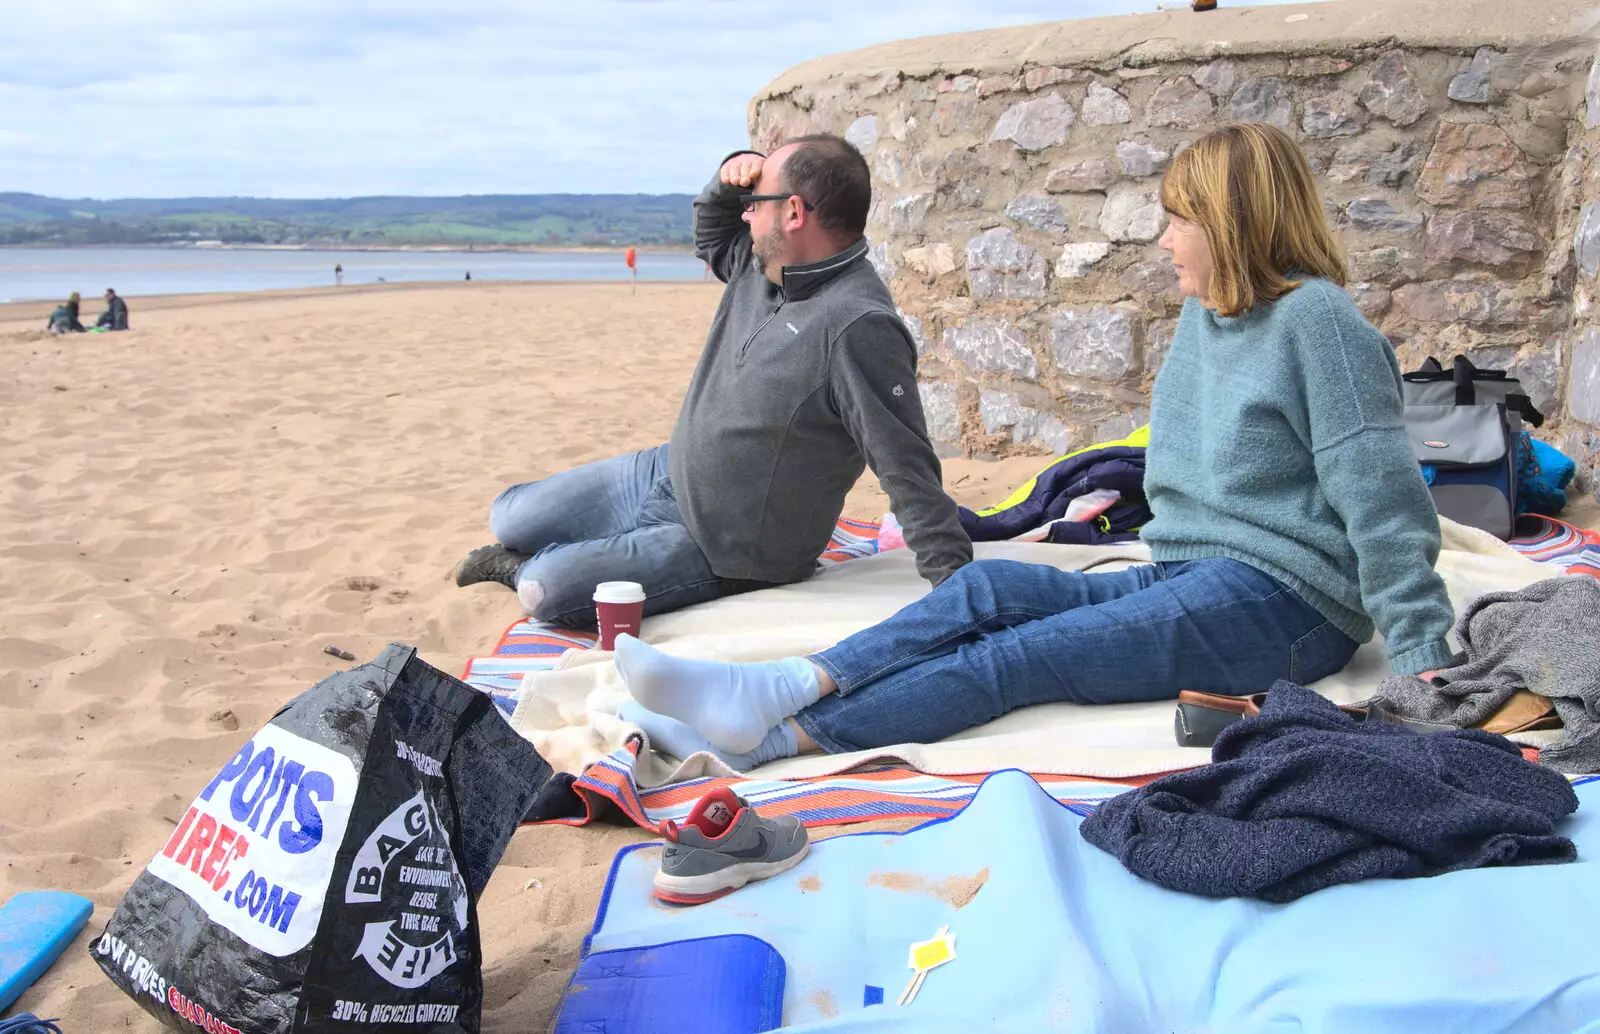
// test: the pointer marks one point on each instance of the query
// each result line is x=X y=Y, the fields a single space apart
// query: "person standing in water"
x=338 y=274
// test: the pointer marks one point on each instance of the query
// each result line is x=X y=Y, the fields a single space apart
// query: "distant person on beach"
x=61 y=321
x=338 y=274
x=469 y=274
x=64 y=317
x=808 y=377
x=116 y=315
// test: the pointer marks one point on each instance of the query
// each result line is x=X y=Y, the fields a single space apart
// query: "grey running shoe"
x=493 y=563
x=722 y=846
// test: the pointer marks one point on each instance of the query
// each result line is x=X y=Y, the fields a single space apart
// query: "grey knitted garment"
x=1544 y=638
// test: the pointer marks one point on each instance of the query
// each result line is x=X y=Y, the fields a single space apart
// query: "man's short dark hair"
x=832 y=175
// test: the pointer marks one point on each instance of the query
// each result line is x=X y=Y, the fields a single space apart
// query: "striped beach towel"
x=529 y=646
x=1559 y=544
x=862 y=795
x=869 y=793
x=526 y=646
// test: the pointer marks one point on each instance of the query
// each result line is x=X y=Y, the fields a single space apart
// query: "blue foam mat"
x=1052 y=934
x=711 y=985
x=35 y=928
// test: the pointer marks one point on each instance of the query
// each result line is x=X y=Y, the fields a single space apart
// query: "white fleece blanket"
x=570 y=713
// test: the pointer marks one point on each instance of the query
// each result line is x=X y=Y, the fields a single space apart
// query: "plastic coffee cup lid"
x=619 y=592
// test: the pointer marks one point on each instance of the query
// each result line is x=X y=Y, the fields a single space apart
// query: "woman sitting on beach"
x=1290 y=519
x=64 y=318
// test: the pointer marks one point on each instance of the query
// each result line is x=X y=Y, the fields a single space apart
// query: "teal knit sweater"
x=1276 y=440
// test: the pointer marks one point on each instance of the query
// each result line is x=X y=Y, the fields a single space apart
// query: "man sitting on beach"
x=116 y=315
x=807 y=377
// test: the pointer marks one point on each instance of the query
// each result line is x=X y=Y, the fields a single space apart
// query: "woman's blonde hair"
x=1248 y=186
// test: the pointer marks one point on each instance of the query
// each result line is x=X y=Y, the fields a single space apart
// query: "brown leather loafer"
x=1201 y=717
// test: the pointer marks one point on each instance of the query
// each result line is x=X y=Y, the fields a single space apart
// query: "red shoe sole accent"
x=672 y=898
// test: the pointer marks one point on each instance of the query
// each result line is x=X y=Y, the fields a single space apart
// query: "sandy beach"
x=193 y=510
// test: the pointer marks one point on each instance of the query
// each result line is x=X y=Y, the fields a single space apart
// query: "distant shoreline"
x=464 y=249
x=28 y=310
x=141 y=272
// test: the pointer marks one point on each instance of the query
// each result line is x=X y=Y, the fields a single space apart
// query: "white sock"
x=671 y=736
x=530 y=594
x=732 y=705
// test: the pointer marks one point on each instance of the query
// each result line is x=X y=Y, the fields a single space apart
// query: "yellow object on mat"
x=1139 y=439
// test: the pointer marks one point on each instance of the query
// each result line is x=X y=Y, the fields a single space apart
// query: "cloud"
x=303 y=98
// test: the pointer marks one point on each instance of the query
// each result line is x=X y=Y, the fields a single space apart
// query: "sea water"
x=50 y=274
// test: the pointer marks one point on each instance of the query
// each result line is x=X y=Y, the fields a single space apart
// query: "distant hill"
x=488 y=219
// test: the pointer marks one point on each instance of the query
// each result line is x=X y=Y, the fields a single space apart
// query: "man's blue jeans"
x=999 y=635
x=612 y=520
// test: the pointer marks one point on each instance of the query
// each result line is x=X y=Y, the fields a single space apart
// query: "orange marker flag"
x=631 y=257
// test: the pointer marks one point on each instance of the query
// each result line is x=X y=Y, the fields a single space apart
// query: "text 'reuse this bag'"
x=1465 y=426
x=327 y=878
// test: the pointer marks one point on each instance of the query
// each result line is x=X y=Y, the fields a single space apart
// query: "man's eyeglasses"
x=749 y=201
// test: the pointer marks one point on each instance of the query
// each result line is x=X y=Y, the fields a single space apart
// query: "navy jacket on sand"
x=1305 y=797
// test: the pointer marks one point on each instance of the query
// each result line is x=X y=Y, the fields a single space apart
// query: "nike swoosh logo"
x=764 y=845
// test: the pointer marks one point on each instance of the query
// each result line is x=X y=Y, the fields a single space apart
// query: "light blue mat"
x=1061 y=938
x=35 y=928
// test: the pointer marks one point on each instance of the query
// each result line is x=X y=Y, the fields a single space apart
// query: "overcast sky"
x=334 y=98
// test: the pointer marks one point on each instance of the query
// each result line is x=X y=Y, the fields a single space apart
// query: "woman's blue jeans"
x=999 y=635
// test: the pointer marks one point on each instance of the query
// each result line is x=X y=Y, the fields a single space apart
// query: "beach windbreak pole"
x=631 y=257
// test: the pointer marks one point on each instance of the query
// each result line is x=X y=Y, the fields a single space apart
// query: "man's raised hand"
x=742 y=170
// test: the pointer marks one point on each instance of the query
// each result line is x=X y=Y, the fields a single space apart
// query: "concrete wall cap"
x=1138 y=40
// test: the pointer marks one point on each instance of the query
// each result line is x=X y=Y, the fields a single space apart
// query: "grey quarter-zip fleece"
x=799 y=389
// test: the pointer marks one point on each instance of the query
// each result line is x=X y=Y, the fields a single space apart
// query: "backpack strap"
x=1430 y=370
x=1464 y=372
x=1524 y=405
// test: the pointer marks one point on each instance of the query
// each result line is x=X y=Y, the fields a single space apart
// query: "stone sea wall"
x=1016 y=179
x=1581 y=395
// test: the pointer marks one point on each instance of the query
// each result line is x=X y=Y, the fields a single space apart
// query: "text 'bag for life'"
x=327 y=878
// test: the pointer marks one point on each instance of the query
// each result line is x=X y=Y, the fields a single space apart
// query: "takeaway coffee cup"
x=618 y=608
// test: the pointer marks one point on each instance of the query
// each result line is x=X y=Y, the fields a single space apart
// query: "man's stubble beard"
x=769 y=250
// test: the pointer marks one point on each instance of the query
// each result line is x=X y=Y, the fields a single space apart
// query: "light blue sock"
x=731 y=705
x=674 y=737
